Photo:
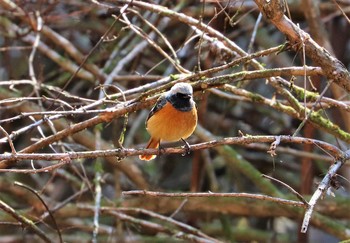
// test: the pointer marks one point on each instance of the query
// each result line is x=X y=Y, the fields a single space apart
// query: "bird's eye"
x=180 y=95
x=183 y=96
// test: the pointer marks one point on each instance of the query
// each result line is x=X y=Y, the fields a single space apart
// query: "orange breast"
x=171 y=125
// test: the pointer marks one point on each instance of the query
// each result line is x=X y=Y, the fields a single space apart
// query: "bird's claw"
x=186 y=146
x=161 y=150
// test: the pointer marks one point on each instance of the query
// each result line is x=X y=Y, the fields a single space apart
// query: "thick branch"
x=332 y=67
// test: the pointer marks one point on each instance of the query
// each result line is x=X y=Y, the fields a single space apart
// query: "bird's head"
x=181 y=90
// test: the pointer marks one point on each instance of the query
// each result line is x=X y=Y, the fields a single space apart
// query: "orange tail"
x=153 y=143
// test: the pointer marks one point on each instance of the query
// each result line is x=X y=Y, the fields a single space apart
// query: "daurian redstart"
x=173 y=117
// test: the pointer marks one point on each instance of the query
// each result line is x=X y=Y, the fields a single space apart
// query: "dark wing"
x=159 y=105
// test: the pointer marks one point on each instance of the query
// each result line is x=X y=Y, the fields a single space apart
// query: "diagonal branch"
x=24 y=221
x=322 y=188
x=333 y=69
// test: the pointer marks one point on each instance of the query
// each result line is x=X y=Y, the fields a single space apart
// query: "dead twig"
x=297 y=194
x=24 y=221
x=322 y=188
x=45 y=205
x=211 y=194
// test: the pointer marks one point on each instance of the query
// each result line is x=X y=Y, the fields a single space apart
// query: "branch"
x=24 y=221
x=124 y=152
x=154 y=227
x=214 y=195
x=85 y=137
x=45 y=205
x=334 y=69
x=322 y=188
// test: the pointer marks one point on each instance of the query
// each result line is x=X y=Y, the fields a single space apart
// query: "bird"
x=173 y=117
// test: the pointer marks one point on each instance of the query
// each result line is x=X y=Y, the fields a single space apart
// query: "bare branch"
x=211 y=194
x=24 y=221
x=322 y=188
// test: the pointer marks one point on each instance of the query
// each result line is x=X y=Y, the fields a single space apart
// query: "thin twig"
x=342 y=11
x=13 y=150
x=46 y=207
x=211 y=194
x=322 y=188
x=297 y=194
x=255 y=30
x=24 y=221
x=156 y=227
x=179 y=208
x=169 y=219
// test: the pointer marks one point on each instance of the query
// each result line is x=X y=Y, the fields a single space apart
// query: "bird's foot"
x=161 y=150
x=186 y=146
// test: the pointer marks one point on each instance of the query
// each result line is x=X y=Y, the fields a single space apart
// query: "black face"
x=180 y=101
x=183 y=96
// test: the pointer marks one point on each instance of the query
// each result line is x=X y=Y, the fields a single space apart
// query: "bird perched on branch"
x=173 y=118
